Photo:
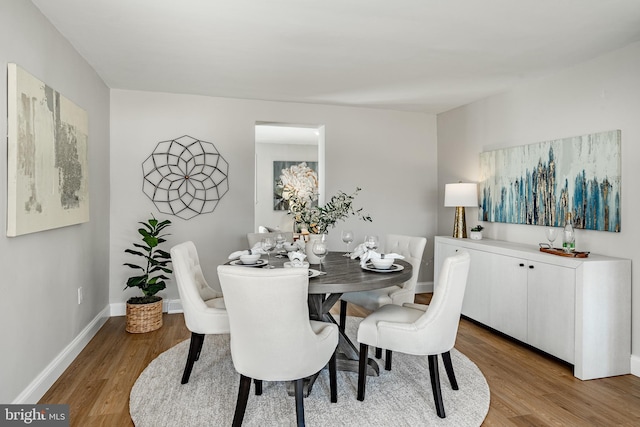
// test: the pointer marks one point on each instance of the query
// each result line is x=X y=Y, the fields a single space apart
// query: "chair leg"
x=333 y=380
x=448 y=366
x=299 y=385
x=435 y=384
x=258 y=385
x=343 y=315
x=201 y=341
x=387 y=360
x=362 y=370
x=378 y=352
x=194 y=350
x=241 y=404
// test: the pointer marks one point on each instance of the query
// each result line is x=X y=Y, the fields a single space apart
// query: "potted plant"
x=144 y=313
x=476 y=232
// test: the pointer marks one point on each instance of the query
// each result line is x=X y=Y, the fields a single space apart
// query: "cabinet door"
x=508 y=279
x=442 y=251
x=551 y=309
x=477 y=295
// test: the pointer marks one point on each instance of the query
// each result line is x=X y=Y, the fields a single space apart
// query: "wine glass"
x=279 y=241
x=371 y=242
x=320 y=249
x=268 y=244
x=347 y=237
x=552 y=235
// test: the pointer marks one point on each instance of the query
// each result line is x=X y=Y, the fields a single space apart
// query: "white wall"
x=390 y=154
x=602 y=94
x=41 y=272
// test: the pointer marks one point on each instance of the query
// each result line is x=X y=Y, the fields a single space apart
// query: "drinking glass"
x=371 y=242
x=320 y=249
x=552 y=235
x=279 y=241
x=347 y=237
x=268 y=244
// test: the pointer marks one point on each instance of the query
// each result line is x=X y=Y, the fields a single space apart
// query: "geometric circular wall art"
x=185 y=177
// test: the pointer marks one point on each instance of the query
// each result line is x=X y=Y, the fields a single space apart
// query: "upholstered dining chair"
x=204 y=310
x=253 y=238
x=412 y=249
x=272 y=338
x=419 y=329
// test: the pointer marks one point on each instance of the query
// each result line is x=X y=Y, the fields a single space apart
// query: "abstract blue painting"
x=540 y=183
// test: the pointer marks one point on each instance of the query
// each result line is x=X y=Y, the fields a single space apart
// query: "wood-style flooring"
x=527 y=388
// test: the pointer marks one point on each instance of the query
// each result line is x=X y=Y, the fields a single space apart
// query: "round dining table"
x=340 y=274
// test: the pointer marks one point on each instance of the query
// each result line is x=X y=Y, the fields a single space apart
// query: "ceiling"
x=411 y=55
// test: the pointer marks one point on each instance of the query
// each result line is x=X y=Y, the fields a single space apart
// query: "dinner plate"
x=289 y=265
x=259 y=263
x=393 y=268
x=313 y=273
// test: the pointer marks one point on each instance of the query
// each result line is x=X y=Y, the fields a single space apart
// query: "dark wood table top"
x=345 y=275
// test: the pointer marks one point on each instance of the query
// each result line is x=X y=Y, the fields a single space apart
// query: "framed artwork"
x=47 y=157
x=279 y=204
x=540 y=183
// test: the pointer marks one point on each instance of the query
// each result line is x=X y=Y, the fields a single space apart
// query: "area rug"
x=400 y=397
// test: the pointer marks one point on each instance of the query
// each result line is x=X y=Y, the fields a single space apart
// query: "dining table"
x=340 y=274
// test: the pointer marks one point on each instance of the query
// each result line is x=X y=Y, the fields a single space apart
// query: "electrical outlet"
x=80 y=296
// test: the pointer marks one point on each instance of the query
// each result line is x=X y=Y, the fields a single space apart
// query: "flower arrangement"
x=299 y=185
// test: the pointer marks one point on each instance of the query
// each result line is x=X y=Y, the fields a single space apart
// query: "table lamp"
x=460 y=195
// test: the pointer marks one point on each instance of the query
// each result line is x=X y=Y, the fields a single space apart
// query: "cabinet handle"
x=531 y=267
x=521 y=265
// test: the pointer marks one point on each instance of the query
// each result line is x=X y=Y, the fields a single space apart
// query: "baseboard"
x=424 y=287
x=635 y=365
x=168 y=306
x=52 y=372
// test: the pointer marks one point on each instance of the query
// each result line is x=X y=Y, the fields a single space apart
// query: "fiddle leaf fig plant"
x=155 y=263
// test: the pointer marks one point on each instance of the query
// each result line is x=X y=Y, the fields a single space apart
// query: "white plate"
x=313 y=273
x=289 y=265
x=393 y=268
x=259 y=263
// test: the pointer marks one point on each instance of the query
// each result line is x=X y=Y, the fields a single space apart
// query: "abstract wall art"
x=540 y=183
x=46 y=157
x=185 y=177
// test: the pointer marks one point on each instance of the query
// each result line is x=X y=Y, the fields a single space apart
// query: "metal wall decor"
x=185 y=177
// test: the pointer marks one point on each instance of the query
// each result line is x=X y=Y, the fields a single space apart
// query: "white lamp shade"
x=461 y=194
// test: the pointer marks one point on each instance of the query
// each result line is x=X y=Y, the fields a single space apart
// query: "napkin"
x=369 y=254
x=297 y=258
x=358 y=251
x=256 y=249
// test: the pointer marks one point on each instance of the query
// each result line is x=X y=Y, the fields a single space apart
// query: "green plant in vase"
x=151 y=279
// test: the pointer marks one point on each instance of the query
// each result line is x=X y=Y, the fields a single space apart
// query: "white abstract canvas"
x=47 y=157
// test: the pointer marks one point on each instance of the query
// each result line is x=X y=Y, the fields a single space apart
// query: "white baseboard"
x=52 y=372
x=169 y=306
x=424 y=287
x=635 y=365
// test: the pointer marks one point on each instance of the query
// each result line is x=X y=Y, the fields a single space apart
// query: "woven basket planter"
x=143 y=318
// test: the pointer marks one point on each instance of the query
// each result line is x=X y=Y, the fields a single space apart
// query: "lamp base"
x=460 y=224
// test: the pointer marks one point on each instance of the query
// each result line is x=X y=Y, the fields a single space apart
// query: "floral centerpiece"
x=299 y=185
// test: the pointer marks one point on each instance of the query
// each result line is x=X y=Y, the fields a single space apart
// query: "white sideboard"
x=576 y=309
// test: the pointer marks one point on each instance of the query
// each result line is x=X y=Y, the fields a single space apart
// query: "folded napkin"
x=256 y=249
x=358 y=251
x=297 y=258
x=373 y=254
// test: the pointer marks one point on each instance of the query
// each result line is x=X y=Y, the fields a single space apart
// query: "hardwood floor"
x=527 y=388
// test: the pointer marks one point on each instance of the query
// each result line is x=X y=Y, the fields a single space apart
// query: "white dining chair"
x=272 y=338
x=419 y=329
x=204 y=308
x=412 y=249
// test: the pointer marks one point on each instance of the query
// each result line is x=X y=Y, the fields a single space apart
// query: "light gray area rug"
x=400 y=397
